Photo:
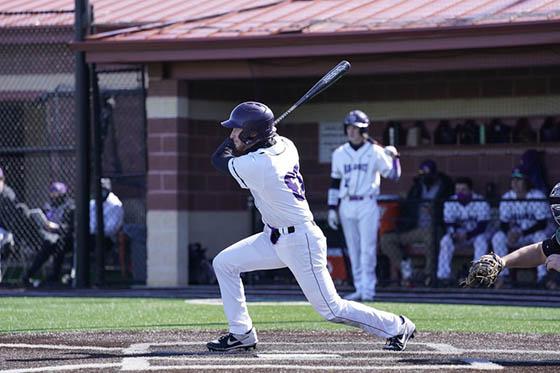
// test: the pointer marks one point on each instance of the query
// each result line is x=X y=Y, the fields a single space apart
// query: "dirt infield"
x=300 y=351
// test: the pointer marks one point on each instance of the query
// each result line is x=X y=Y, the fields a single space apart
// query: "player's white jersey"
x=524 y=214
x=359 y=170
x=466 y=216
x=272 y=175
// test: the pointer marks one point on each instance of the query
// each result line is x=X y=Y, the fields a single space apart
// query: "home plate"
x=266 y=356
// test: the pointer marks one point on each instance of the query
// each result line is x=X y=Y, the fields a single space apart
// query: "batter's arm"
x=529 y=256
x=334 y=193
x=223 y=155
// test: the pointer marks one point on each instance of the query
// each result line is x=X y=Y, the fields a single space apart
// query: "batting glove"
x=333 y=219
x=391 y=151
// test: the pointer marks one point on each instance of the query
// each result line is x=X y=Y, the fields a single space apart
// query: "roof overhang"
x=480 y=41
x=305 y=45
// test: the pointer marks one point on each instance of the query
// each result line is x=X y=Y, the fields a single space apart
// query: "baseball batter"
x=268 y=165
x=521 y=222
x=357 y=167
x=466 y=217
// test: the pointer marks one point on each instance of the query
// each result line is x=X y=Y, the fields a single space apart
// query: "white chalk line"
x=480 y=366
x=56 y=368
x=60 y=347
x=137 y=362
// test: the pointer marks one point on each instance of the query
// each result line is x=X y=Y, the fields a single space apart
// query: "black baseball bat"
x=325 y=82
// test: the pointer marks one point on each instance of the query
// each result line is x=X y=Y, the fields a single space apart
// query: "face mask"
x=464 y=198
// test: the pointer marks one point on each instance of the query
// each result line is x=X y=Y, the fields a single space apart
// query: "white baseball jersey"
x=466 y=216
x=273 y=177
x=524 y=214
x=360 y=170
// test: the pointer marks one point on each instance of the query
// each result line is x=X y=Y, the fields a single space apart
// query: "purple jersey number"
x=294 y=181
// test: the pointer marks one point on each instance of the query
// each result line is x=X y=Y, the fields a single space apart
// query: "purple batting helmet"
x=255 y=119
x=356 y=118
x=58 y=187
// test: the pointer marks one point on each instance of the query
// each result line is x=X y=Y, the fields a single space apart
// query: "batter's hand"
x=391 y=151
x=553 y=262
x=333 y=219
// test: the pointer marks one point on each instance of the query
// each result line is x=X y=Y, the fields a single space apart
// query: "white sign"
x=331 y=136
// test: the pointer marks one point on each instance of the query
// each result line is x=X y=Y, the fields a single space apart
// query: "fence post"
x=82 y=248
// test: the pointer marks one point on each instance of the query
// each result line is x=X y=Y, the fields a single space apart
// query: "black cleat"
x=398 y=342
x=232 y=341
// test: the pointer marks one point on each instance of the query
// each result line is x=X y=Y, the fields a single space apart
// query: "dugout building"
x=415 y=64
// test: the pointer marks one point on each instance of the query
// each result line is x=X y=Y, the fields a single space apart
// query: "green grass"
x=96 y=314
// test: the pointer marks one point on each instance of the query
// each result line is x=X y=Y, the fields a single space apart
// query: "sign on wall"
x=331 y=136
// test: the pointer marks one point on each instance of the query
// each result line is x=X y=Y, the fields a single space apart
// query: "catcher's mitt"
x=484 y=271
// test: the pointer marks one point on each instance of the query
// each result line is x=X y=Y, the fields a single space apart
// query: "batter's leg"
x=352 y=238
x=480 y=246
x=251 y=254
x=446 y=250
x=306 y=257
x=368 y=226
x=499 y=244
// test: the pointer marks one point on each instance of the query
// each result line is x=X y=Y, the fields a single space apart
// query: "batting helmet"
x=255 y=119
x=358 y=119
x=555 y=203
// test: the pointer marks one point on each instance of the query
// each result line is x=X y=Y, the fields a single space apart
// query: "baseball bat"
x=325 y=82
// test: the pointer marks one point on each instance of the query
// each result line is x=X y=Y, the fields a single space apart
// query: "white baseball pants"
x=360 y=222
x=447 y=248
x=499 y=243
x=304 y=252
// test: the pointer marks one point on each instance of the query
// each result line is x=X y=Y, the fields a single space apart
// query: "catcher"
x=485 y=271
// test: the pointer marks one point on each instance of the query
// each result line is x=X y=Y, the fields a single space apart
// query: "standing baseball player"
x=486 y=270
x=355 y=177
x=521 y=222
x=268 y=165
x=466 y=216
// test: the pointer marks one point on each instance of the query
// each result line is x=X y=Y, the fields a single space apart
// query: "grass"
x=20 y=314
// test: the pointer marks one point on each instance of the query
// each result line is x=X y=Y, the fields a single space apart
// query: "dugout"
x=473 y=60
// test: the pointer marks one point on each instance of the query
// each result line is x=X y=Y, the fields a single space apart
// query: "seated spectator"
x=421 y=213
x=8 y=208
x=466 y=216
x=57 y=222
x=113 y=214
x=521 y=222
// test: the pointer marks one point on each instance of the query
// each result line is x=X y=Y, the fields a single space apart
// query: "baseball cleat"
x=398 y=342
x=230 y=341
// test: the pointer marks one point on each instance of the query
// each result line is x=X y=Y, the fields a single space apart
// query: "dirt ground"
x=349 y=351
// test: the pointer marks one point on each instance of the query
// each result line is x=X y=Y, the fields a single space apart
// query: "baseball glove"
x=484 y=271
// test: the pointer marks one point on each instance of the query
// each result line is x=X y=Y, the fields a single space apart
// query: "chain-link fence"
x=37 y=146
x=122 y=121
x=38 y=152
